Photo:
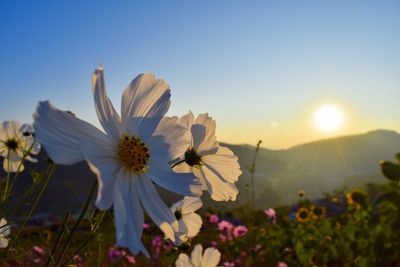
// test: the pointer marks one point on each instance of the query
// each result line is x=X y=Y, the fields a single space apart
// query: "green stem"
x=8 y=187
x=81 y=216
x=4 y=197
x=82 y=246
x=50 y=258
x=29 y=214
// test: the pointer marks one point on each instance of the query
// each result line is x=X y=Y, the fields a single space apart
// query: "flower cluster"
x=140 y=147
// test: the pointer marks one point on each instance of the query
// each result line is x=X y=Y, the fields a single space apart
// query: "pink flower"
x=271 y=213
x=240 y=230
x=130 y=259
x=257 y=248
x=214 y=243
x=225 y=226
x=222 y=237
x=39 y=250
x=156 y=242
x=229 y=264
x=146 y=226
x=214 y=218
x=281 y=264
x=243 y=254
x=114 y=254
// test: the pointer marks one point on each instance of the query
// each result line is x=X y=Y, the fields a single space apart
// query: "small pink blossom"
x=240 y=230
x=281 y=264
x=39 y=250
x=156 y=242
x=225 y=226
x=271 y=213
x=114 y=254
x=146 y=226
x=222 y=238
x=257 y=248
x=214 y=218
x=214 y=243
x=229 y=264
x=243 y=254
x=130 y=259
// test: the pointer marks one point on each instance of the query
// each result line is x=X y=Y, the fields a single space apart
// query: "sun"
x=329 y=118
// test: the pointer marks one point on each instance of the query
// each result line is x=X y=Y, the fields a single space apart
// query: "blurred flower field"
x=124 y=221
x=348 y=228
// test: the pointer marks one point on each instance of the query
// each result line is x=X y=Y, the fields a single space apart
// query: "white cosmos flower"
x=210 y=258
x=189 y=222
x=17 y=143
x=5 y=230
x=133 y=153
x=216 y=166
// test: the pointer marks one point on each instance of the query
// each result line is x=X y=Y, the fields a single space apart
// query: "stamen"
x=191 y=157
x=133 y=154
x=12 y=144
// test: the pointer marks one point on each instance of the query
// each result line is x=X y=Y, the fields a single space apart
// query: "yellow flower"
x=355 y=198
x=301 y=193
x=317 y=212
x=303 y=215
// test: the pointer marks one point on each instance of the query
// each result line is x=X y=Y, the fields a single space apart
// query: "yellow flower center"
x=133 y=154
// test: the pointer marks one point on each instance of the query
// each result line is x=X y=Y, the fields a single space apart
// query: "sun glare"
x=328 y=119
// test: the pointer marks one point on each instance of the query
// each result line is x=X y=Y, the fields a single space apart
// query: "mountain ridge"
x=319 y=166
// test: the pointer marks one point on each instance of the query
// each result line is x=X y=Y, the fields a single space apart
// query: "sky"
x=261 y=69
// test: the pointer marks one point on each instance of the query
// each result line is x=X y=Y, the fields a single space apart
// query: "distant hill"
x=316 y=167
x=321 y=166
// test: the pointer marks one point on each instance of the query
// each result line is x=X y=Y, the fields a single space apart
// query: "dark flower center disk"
x=178 y=214
x=303 y=214
x=191 y=157
x=357 y=197
x=318 y=211
x=133 y=154
x=11 y=144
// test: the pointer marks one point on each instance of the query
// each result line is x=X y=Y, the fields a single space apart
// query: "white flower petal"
x=100 y=154
x=60 y=133
x=10 y=129
x=219 y=190
x=145 y=98
x=5 y=229
x=204 y=139
x=106 y=113
x=197 y=255
x=155 y=207
x=176 y=135
x=3 y=242
x=193 y=224
x=182 y=168
x=225 y=163
x=12 y=166
x=183 y=261
x=211 y=258
x=187 y=120
x=191 y=204
x=181 y=183
x=128 y=214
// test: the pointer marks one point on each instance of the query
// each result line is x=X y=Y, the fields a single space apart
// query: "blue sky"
x=250 y=64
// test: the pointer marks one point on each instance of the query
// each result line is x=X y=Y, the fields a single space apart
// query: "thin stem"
x=8 y=178
x=26 y=154
x=252 y=170
x=29 y=214
x=83 y=212
x=82 y=246
x=50 y=258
